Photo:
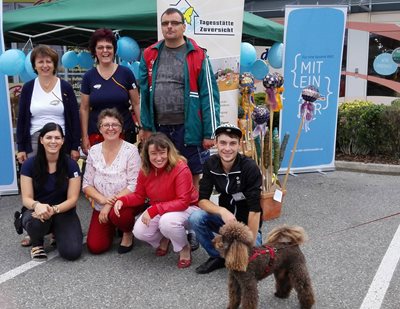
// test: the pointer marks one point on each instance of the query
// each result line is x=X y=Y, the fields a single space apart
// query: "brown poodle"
x=247 y=265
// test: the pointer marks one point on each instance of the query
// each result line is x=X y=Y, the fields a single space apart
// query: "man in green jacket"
x=179 y=93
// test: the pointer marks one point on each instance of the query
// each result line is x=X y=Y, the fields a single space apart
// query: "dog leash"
x=361 y=224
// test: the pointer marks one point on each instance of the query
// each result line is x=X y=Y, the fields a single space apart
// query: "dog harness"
x=264 y=249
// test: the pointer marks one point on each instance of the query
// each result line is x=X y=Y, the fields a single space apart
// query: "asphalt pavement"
x=350 y=217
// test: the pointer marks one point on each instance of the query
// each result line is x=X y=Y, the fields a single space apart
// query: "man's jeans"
x=206 y=226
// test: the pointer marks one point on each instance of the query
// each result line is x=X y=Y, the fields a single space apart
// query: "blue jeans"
x=206 y=225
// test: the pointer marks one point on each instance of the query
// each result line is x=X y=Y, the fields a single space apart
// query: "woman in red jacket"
x=165 y=181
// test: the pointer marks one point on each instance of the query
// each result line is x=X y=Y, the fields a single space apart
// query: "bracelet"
x=56 y=209
x=34 y=205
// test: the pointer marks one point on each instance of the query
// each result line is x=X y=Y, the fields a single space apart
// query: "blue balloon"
x=245 y=69
x=384 y=64
x=135 y=69
x=28 y=72
x=125 y=64
x=248 y=54
x=85 y=60
x=275 y=55
x=26 y=76
x=12 y=62
x=128 y=49
x=69 y=60
x=259 y=69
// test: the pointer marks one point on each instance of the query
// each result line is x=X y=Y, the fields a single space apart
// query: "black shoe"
x=124 y=249
x=210 y=265
x=193 y=241
x=18 y=222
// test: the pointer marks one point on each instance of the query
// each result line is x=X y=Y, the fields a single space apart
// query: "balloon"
x=69 y=60
x=85 y=60
x=135 y=68
x=248 y=54
x=12 y=62
x=259 y=69
x=125 y=63
x=128 y=49
x=275 y=55
x=245 y=69
x=384 y=64
x=28 y=71
x=396 y=55
x=26 y=76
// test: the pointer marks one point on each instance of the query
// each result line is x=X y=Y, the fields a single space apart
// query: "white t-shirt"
x=46 y=107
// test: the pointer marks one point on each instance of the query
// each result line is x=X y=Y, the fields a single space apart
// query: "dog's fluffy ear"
x=237 y=256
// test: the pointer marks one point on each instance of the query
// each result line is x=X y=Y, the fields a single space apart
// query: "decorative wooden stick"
x=293 y=151
x=271 y=123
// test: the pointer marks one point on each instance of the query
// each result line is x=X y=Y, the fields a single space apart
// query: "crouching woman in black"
x=50 y=186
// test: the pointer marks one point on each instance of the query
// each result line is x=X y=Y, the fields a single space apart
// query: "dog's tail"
x=288 y=234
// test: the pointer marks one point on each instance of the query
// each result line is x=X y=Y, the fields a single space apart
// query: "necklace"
x=106 y=72
x=49 y=85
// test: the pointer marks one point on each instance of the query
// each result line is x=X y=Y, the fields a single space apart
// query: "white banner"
x=217 y=27
x=8 y=176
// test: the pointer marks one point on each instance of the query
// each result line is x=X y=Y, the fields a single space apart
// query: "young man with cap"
x=238 y=180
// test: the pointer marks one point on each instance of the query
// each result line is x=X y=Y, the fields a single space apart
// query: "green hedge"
x=367 y=128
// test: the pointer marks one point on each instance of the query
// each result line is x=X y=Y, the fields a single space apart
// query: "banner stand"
x=8 y=173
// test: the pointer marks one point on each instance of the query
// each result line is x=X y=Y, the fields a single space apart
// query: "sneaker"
x=193 y=241
x=213 y=263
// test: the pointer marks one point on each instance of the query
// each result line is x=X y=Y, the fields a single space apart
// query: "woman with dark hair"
x=107 y=85
x=165 y=181
x=44 y=99
x=50 y=186
x=111 y=171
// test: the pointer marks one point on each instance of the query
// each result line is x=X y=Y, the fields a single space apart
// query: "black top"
x=244 y=177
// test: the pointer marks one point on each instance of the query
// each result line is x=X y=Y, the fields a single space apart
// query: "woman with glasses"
x=107 y=85
x=112 y=168
x=44 y=99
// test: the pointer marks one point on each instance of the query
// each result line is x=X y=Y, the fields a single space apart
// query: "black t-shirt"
x=50 y=193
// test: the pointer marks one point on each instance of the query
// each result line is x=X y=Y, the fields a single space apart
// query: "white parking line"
x=27 y=266
x=380 y=284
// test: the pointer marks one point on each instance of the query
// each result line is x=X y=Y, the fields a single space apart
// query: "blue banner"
x=8 y=178
x=313 y=56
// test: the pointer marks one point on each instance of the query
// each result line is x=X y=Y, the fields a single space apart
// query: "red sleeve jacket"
x=166 y=191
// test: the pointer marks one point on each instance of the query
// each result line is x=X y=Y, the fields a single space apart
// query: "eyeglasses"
x=173 y=23
x=111 y=125
x=107 y=47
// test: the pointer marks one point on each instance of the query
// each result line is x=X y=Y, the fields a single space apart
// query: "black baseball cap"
x=229 y=129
